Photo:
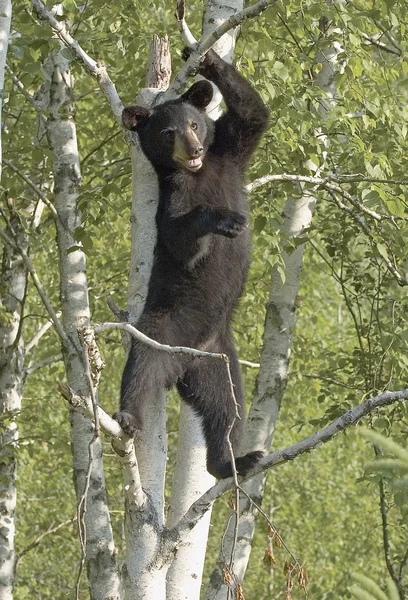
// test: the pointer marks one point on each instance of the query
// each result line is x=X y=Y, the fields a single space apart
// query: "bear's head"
x=175 y=134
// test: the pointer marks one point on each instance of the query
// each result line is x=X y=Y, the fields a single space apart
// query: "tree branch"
x=40 y=332
x=333 y=190
x=58 y=327
x=32 y=185
x=39 y=539
x=121 y=443
x=95 y=69
x=22 y=89
x=43 y=363
x=191 y=65
x=153 y=344
x=199 y=508
x=372 y=40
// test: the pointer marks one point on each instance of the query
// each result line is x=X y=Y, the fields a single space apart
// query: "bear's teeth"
x=193 y=162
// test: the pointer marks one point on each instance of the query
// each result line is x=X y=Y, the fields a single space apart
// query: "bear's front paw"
x=128 y=422
x=245 y=463
x=206 y=62
x=231 y=224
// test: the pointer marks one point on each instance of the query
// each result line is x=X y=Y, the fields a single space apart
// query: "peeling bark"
x=103 y=578
x=143 y=528
x=13 y=290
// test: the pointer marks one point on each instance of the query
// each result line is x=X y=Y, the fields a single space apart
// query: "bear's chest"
x=214 y=185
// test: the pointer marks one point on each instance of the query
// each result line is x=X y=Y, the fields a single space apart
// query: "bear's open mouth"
x=193 y=164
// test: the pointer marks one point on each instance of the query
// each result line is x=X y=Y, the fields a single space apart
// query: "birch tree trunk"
x=280 y=324
x=143 y=528
x=103 y=578
x=5 y=22
x=14 y=282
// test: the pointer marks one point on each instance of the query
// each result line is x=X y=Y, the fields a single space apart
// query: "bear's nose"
x=198 y=151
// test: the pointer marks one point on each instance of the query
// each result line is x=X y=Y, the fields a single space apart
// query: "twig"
x=358 y=218
x=32 y=185
x=248 y=363
x=40 y=332
x=58 y=327
x=296 y=562
x=39 y=539
x=43 y=363
x=87 y=339
x=205 y=44
x=234 y=468
x=19 y=85
x=371 y=39
x=99 y=71
x=386 y=540
x=121 y=315
x=156 y=345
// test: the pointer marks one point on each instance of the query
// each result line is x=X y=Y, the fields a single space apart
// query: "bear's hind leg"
x=205 y=387
x=146 y=372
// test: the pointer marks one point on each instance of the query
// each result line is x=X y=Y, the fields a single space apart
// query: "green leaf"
x=370 y=586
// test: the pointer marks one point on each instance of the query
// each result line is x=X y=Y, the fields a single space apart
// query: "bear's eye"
x=194 y=126
x=168 y=133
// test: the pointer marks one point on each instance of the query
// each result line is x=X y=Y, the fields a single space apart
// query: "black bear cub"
x=201 y=256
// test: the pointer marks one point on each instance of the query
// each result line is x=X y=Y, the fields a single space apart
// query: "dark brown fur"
x=201 y=257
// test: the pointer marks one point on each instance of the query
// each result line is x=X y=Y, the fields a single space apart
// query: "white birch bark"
x=13 y=281
x=191 y=478
x=274 y=364
x=143 y=528
x=5 y=22
x=103 y=578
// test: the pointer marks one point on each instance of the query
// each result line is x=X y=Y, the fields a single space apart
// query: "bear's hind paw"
x=128 y=422
x=245 y=463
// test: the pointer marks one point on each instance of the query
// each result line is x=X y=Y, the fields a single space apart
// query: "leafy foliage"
x=351 y=338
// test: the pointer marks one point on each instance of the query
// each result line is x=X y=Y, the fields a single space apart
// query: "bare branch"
x=95 y=69
x=40 y=332
x=22 y=89
x=187 y=37
x=58 y=327
x=121 y=315
x=121 y=443
x=84 y=405
x=372 y=40
x=32 y=185
x=43 y=363
x=40 y=538
x=234 y=21
x=248 y=363
x=190 y=68
x=200 y=507
x=153 y=344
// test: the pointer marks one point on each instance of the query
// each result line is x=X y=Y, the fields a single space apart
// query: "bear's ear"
x=134 y=117
x=200 y=94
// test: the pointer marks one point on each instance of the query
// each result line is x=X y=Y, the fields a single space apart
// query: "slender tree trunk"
x=274 y=365
x=103 y=578
x=143 y=528
x=14 y=282
x=5 y=22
